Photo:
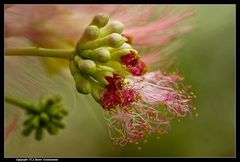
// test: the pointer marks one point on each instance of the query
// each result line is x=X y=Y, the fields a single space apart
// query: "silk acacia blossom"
x=105 y=65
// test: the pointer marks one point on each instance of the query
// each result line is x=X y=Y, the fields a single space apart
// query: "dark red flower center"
x=139 y=69
x=115 y=82
x=130 y=59
x=110 y=99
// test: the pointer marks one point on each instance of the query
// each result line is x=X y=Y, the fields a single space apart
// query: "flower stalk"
x=43 y=52
x=27 y=106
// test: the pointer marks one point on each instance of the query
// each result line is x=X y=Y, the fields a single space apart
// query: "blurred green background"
x=207 y=62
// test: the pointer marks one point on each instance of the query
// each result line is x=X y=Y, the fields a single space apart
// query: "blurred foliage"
x=207 y=62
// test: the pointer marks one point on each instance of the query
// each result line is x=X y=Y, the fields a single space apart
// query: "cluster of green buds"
x=101 y=52
x=47 y=114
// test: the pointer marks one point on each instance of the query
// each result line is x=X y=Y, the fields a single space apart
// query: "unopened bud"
x=126 y=46
x=87 y=66
x=73 y=67
x=52 y=129
x=27 y=130
x=83 y=85
x=91 y=33
x=100 y=76
x=35 y=122
x=59 y=124
x=101 y=55
x=100 y=20
x=64 y=111
x=112 y=27
x=113 y=40
x=96 y=94
x=44 y=118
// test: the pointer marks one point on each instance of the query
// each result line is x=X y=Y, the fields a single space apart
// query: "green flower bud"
x=100 y=20
x=39 y=133
x=59 y=115
x=27 y=130
x=52 y=111
x=53 y=100
x=64 y=111
x=91 y=33
x=126 y=46
x=116 y=65
x=113 y=40
x=59 y=124
x=96 y=94
x=100 y=75
x=105 y=68
x=101 y=55
x=112 y=27
x=73 y=67
x=44 y=118
x=83 y=85
x=116 y=40
x=76 y=59
x=28 y=121
x=52 y=129
x=87 y=66
x=35 y=122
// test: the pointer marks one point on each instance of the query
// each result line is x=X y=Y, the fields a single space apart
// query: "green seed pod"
x=100 y=20
x=39 y=133
x=113 y=40
x=52 y=129
x=83 y=85
x=44 y=118
x=87 y=66
x=27 y=130
x=59 y=124
x=73 y=67
x=112 y=27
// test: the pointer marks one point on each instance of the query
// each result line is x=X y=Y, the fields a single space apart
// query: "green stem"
x=22 y=104
x=35 y=51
